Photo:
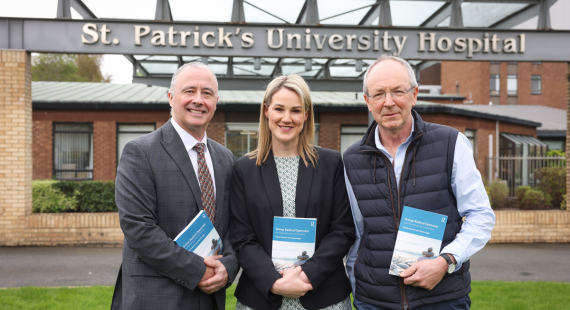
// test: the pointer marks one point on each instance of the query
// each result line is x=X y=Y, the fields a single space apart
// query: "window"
x=495 y=84
x=471 y=136
x=73 y=151
x=127 y=132
x=349 y=135
x=536 y=85
x=241 y=138
x=512 y=85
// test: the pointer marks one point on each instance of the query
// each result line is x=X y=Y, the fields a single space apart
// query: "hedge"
x=52 y=196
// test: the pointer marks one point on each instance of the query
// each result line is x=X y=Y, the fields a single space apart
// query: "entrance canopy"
x=330 y=43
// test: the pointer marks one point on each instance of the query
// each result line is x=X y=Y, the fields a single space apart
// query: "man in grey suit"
x=163 y=180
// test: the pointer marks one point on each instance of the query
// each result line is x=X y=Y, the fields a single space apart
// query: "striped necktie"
x=206 y=184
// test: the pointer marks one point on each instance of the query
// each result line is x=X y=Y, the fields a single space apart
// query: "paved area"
x=83 y=266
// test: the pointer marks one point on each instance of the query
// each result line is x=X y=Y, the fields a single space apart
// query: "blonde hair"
x=305 y=147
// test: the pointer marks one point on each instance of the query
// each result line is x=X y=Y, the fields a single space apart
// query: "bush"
x=535 y=200
x=552 y=182
x=498 y=193
x=87 y=196
x=46 y=198
x=521 y=190
x=563 y=204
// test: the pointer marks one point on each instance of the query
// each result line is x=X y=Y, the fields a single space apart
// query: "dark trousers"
x=463 y=303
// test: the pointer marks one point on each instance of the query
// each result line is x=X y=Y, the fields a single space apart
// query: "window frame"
x=117 y=132
x=516 y=91
x=498 y=90
x=54 y=170
x=539 y=84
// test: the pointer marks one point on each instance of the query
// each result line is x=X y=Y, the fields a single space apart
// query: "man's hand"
x=292 y=285
x=426 y=273
x=218 y=280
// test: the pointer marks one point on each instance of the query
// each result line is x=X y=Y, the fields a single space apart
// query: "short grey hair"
x=411 y=74
x=194 y=64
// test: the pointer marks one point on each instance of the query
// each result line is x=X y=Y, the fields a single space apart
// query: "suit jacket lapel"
x=175 y=147
x=220 y=182
x=304 y=181
x=272 y=187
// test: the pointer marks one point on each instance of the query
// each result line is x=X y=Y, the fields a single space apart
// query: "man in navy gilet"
x=404 y=161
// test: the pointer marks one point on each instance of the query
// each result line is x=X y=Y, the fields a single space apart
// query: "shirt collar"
x=188 y=140
x=377 y=136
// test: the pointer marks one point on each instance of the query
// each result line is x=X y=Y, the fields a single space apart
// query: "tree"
x=68 y=68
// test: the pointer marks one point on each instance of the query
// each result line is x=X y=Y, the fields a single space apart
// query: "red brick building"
x=79 y=129
x=502 y=83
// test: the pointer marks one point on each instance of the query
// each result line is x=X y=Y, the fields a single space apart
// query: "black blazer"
x=255 y=198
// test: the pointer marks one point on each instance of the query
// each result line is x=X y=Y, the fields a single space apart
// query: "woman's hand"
x=292 y=284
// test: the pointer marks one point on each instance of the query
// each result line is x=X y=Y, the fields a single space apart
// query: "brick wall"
x=42 y=150
x=331 y=122
x=217 y=128
x=96 y=229
x=102 y=229
x=431 y=75
x=553 y=84
x=568 y=134
x=104 y=136
x=15 y=145
x=473 y=77
x=531 y=227
x=104 y=150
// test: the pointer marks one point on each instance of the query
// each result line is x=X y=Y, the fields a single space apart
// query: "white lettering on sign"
x=305 y=39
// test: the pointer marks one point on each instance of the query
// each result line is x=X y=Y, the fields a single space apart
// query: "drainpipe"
x=497 y=151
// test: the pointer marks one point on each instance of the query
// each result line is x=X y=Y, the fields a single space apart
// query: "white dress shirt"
x=189 y=142
x=468 y=188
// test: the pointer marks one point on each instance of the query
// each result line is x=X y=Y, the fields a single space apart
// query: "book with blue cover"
x=293 y=241
x=200 y=237
x=419 y=238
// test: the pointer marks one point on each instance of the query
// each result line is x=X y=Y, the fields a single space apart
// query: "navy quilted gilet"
x=425 y=184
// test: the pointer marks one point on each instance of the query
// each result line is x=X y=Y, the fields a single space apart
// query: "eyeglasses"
x=396 y=94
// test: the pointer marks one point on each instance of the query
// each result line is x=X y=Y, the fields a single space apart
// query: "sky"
x=121 y=69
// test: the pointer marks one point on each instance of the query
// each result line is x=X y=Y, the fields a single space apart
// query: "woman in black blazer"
x=287 y=176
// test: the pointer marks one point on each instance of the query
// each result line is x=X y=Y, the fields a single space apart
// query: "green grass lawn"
x=485 y=295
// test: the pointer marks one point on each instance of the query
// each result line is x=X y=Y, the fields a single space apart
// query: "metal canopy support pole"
x=257 y=63
x=437 y=17
x=385 y=14
x=136 y=65
x=325 y=72
x=180 y=61
x=523 y=15
x=308 y=64
x=456 y=14
x=82 y=9
x=204 y=60
x=163 y=11
x=544 y=15
x=371 y=15
x=358 y=65
x=311 y=17
x=310 y=13
x=230 y=71
x=277 y=71
x=238 y=13
x=64 y=9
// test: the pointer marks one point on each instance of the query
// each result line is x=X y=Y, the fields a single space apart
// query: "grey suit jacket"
x=158 y=194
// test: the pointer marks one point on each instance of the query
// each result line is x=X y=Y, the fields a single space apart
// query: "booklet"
x=293 y=241
x=200 y=237
x=419 y=238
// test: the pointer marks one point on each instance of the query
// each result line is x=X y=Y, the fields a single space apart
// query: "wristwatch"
x=450 y=264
